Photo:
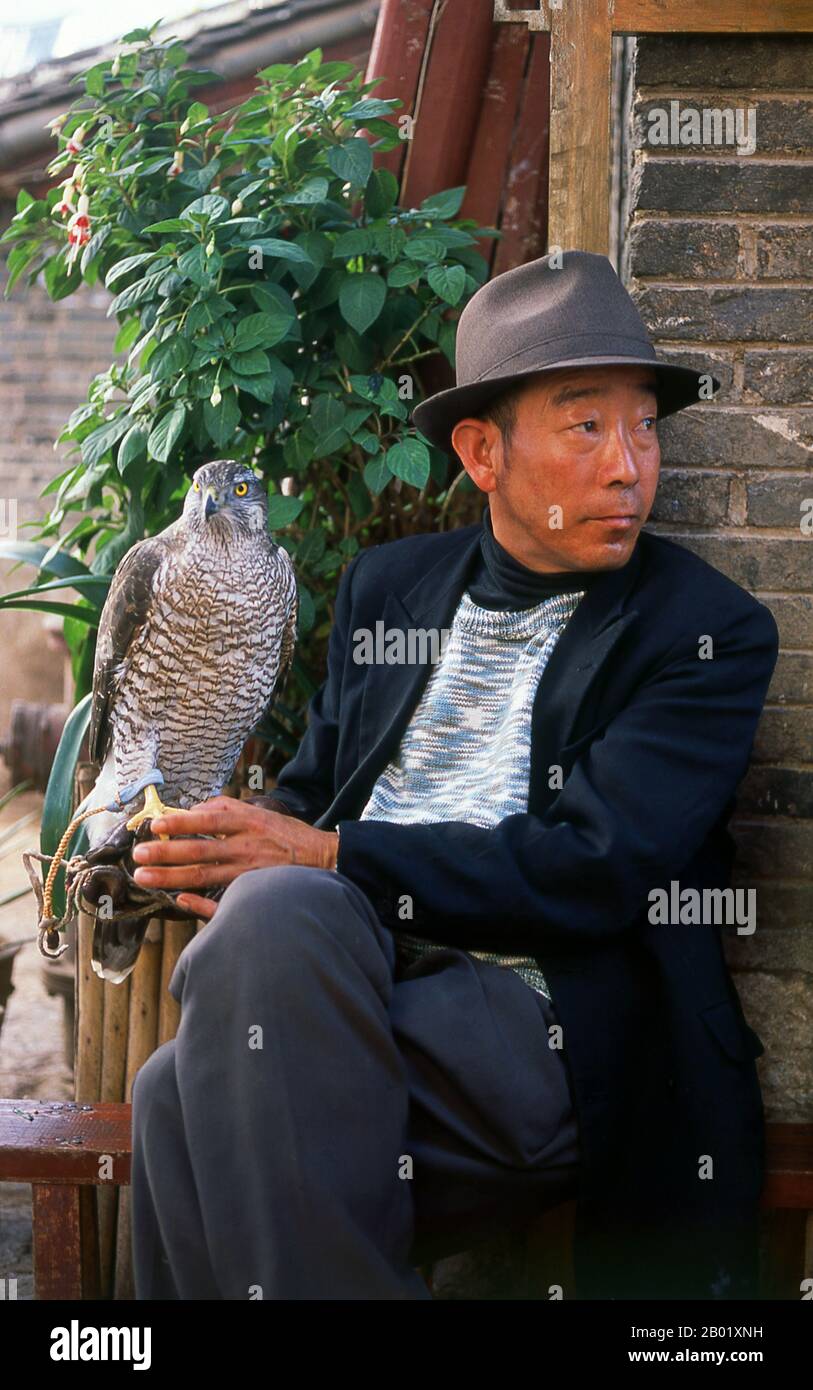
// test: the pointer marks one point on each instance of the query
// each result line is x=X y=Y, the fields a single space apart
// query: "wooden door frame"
x=581 y=36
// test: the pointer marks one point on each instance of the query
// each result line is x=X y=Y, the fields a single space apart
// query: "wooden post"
x=579 y=194
x=581 y=56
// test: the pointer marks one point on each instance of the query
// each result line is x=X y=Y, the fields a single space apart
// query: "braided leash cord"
x=50 y=926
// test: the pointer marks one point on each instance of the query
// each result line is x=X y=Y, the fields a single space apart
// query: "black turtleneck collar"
x=500 y=581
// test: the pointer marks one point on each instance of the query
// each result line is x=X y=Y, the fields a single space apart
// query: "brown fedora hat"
x=566 y=309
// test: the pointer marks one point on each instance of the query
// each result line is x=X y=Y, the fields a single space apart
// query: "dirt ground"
x=32 y=1048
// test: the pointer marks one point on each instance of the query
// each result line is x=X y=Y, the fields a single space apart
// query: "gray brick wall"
x=48 y=356
x=718 y=253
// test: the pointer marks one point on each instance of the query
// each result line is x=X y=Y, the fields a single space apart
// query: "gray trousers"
x=328 y=1116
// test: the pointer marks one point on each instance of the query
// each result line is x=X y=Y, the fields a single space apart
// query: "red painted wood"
x=396 y=55
x=61 y=1142
x=57 y=1245
x=525 y=195
x=449 y=102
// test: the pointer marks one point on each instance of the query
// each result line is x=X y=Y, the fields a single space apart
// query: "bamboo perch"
x=142 y=1040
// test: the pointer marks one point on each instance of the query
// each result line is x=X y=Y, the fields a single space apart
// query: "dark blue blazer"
x=652 y=729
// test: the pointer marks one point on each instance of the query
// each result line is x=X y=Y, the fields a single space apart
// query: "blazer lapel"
x=582 y=650
x=391 y=692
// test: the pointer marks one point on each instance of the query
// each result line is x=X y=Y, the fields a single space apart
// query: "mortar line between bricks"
x=646 y=94
x=772 y=820
x=784 y=882
x=784 y=767
x=742 y=533
x=768 y=219
x=708 y=283
x=735 y=470
x=772 y=161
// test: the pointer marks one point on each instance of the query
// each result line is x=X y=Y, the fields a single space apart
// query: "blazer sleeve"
x=306 y=784
x=634 y=809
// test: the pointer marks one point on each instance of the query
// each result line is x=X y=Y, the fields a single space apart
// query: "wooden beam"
x=581 y=54
x=701 y=17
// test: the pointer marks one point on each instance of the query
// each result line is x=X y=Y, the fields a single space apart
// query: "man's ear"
x=478 y=444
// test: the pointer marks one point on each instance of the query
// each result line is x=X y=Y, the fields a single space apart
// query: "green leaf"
x=165 y=434
x=361 y=299
x=58 y=803
x=283 y=510
x=353 y=243
x=311 y=548
x=272 y=298
x=312 y=191
x=426 y=248
x=59 y=281
x=352 y=161
x=327 y=414
x=306 y=615
x=260 y=330
x=380 y=193
x=169 y=357
x=448 y=281
x=196 y=266
x=18 y=261
x=389 y=241
x=211 y=207
x=127 y=335
x=133 y=446
x=409 y=460
x=280 y=248
x=96 y=444
x=252 y=363
x=53 y=560
x=404 y=274
x=377 y=473
x=207 y=312
x=138 y=292
x=93 y=248
x=445 y=204
x=222 y=420
x=169 y=224
x=263 y=388
x=371 y=106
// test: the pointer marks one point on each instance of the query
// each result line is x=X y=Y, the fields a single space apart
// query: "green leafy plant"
x=275 y=304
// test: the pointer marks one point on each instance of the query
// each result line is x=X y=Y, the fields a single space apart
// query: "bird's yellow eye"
x=196 y=487
x=240 y=489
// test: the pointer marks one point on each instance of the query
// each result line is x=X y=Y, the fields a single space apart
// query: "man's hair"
x=502 y=410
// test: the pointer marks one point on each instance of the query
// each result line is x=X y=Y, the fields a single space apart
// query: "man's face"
x=577 y=481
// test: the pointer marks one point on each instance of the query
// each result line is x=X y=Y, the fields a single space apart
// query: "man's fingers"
x=187 y=876
x=203 y=907
x=211 y=821
x=177 y=851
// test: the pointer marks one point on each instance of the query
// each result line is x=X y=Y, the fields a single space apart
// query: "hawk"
x=198 y=626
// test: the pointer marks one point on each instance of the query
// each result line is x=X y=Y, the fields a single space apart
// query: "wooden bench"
x=65 y=1149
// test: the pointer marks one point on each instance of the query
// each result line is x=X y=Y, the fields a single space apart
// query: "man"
x=440 y=992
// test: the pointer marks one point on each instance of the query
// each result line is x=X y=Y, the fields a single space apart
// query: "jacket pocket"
x=737 y=1039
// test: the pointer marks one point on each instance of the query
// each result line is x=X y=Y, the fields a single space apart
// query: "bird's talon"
x=153 y=807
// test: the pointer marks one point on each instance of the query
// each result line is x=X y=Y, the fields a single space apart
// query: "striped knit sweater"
x=465 y=754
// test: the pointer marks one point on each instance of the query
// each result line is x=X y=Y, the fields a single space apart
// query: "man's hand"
x=249 y=837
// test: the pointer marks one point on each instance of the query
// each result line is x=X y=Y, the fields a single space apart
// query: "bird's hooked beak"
x=211 y=503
